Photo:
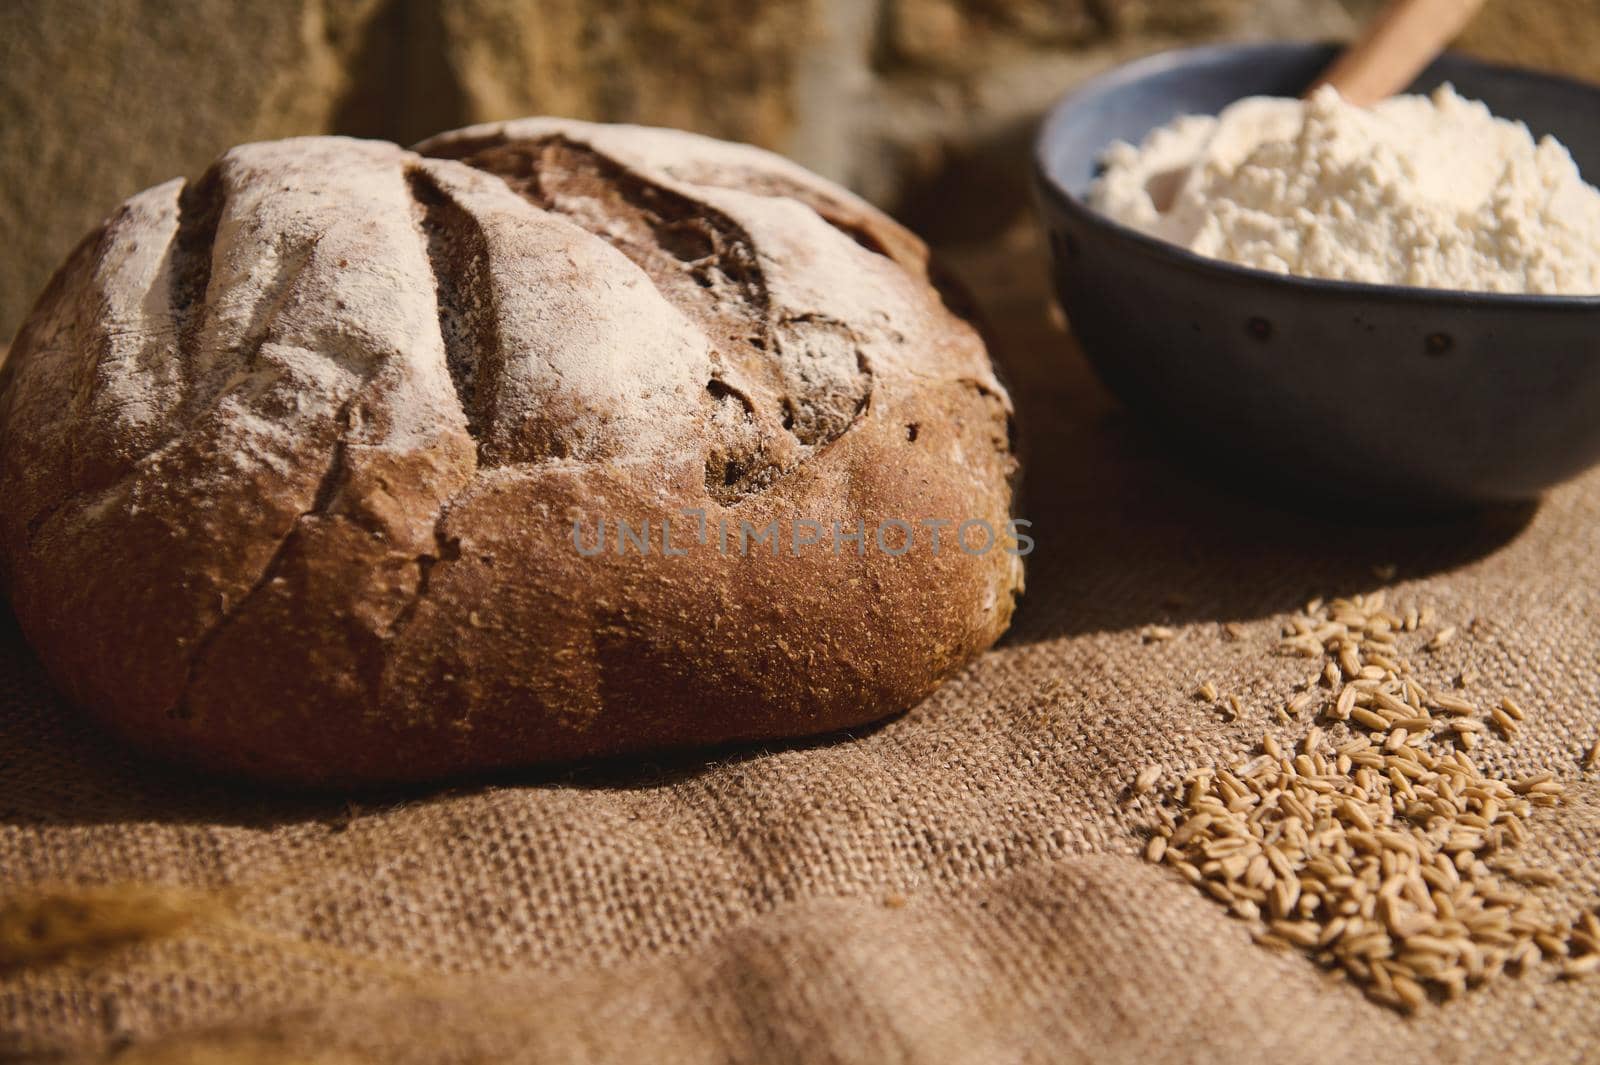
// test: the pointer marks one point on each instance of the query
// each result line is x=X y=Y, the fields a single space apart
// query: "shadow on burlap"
x=961 y=883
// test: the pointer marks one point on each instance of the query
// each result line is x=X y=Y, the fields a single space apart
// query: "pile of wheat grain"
x=1379 y=846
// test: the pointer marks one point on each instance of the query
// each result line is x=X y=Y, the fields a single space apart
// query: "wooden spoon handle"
x=1395 y=47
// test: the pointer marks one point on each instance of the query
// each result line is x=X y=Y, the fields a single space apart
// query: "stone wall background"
x=925 y=106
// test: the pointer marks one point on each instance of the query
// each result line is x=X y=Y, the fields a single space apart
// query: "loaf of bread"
x=349 y=464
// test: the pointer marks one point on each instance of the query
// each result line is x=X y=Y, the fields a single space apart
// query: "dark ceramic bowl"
x=1381 y=393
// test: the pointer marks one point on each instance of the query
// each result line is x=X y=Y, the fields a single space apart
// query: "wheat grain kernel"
x=1146 y=779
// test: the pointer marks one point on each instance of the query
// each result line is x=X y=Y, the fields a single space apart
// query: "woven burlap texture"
x=960 y=884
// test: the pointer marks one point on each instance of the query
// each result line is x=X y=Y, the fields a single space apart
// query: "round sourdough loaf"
x=305 y=464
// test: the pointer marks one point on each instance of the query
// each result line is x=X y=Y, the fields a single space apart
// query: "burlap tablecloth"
x=959 y=884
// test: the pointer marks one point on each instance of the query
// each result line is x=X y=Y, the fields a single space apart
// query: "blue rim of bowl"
x=1139 y=69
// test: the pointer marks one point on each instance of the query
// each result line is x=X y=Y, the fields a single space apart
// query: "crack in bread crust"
x=458 y=255
x=327 y=486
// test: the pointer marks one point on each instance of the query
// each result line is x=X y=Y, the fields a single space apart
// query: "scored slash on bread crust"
x=291 y=456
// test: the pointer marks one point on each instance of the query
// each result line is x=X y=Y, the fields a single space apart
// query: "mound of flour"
x=1432 y=191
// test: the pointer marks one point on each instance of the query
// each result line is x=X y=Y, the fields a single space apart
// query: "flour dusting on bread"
x=292 y=453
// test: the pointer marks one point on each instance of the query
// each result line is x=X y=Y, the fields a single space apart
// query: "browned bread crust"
x=290 y=456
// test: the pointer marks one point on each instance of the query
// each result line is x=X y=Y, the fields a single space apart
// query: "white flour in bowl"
x=1432 y=191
